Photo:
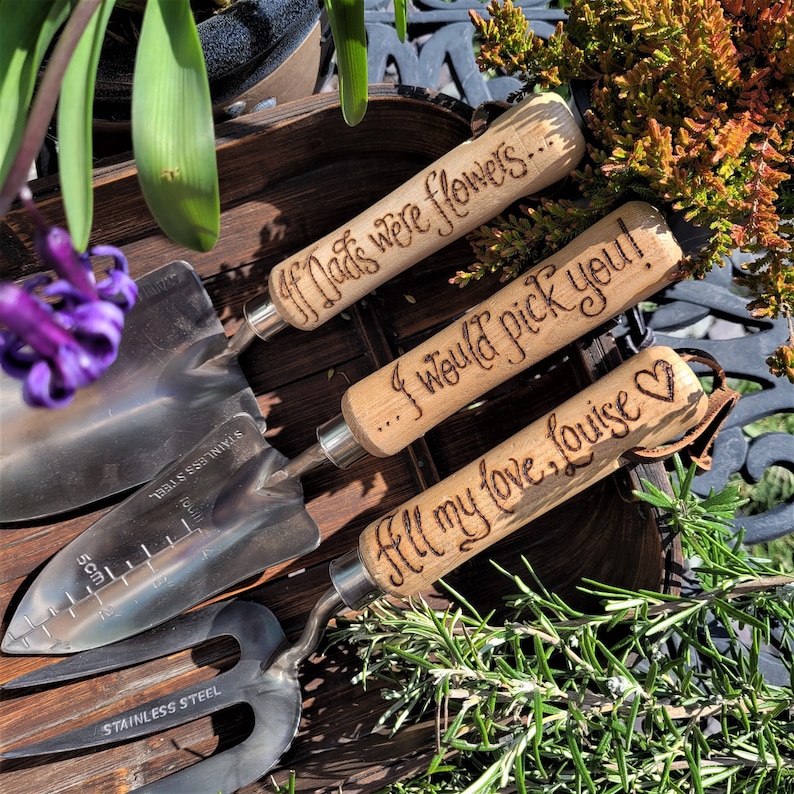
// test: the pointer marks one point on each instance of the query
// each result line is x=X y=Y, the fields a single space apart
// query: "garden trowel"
x=198 y=527
x=176 y=374
x=646 y=401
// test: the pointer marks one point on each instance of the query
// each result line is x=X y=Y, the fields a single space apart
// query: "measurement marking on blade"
x=94 y=593
x=22 y=638
x=136 y=573
x=190 y=530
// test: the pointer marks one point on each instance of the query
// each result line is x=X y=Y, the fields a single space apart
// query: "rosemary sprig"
x=655 y=693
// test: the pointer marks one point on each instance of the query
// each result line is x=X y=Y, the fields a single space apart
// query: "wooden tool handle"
x=618 y=262
x=529 y=147
x=646 y=401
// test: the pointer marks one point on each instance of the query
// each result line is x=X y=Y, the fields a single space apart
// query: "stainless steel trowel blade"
x=198 y=528
x=151 y=406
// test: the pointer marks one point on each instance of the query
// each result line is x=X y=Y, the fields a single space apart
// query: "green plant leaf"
x=74 y=127
x=350 y=39
x=25 y=34
x=401 y=18
x=173 y=135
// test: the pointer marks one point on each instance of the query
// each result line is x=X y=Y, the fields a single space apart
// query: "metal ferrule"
x=263 y=317
x=351 y=580
x=262 y=321
x=338 y=443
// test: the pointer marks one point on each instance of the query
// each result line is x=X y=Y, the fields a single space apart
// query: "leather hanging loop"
x=485 y=114
x=696 y=445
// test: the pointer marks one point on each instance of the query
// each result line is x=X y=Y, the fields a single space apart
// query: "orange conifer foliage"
x=691 y=107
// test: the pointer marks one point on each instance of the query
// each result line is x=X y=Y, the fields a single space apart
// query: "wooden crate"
x=288 y=176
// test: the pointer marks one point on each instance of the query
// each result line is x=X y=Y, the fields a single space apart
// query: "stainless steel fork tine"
x=258 y=635
x=179 y=633
x=158 y=714
x=277 y=716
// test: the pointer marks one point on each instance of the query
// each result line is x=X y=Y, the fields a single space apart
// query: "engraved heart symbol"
x=658 y=383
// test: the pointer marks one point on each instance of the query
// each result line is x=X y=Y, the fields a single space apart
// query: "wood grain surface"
x=288 y=176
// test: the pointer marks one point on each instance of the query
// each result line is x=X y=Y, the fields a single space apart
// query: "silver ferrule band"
x=351 y=580
x=263 y=317
x=338 y=443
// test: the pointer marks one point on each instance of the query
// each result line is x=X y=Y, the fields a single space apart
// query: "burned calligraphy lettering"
x=389 y=549
x=415 y=533
x=452 y=515
x=398 y=385
x=563 y=441
x=658 y=383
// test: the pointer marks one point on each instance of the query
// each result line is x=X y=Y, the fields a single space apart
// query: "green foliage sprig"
x=656 y=693
x=174 y=147
x=691 y=106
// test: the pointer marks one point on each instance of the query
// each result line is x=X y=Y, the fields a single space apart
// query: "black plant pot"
x=254 y=50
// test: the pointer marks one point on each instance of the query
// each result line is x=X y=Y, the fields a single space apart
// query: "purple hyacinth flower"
x=54 y=246
x=53 y=360
x=66 y=342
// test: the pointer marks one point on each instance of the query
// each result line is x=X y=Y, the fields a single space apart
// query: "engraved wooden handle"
x=532 y=145
x=645 y=402
x=619 y=261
